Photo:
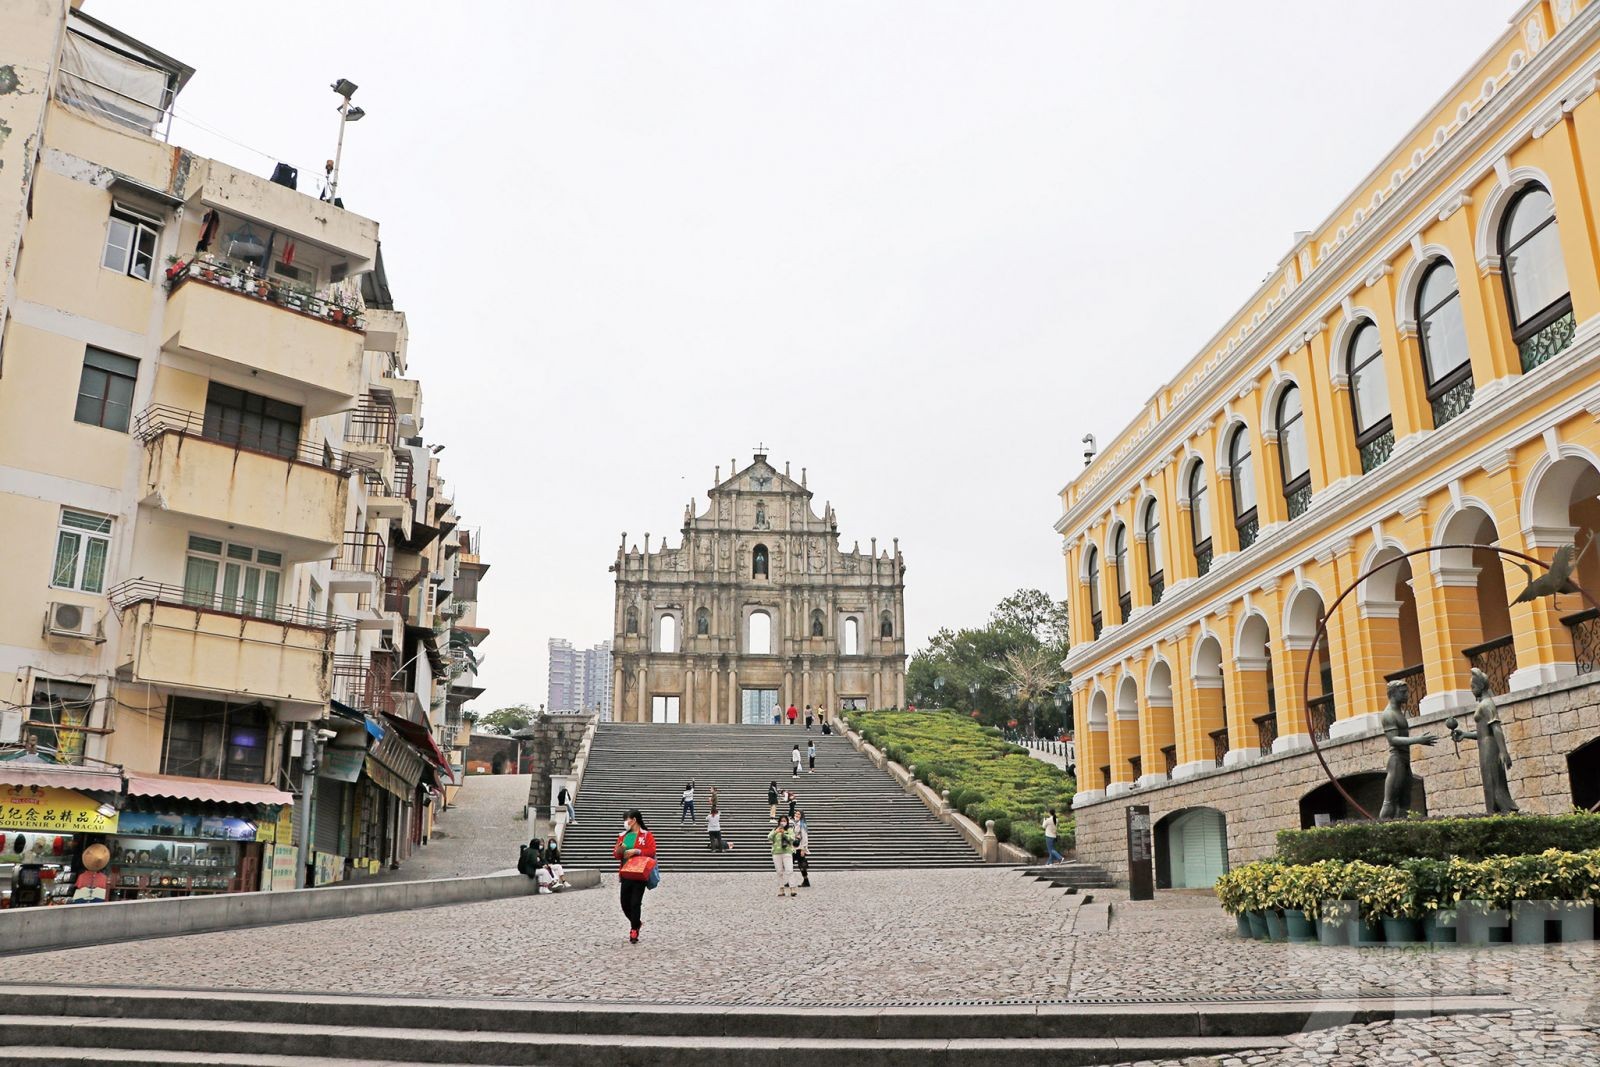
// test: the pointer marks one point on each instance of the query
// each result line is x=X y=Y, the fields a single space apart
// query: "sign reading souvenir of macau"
x=43 y=808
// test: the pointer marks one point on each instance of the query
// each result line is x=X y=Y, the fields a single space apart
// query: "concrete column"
x=1449 y=620
x=1124 y=744
x=788 y=688
x=1288 y=674
x=1247 y=701
x=1210 y=715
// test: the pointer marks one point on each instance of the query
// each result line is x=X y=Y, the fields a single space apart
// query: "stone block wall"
x=1258 y=799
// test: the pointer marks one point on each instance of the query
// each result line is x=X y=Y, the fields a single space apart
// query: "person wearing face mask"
x=634 y=841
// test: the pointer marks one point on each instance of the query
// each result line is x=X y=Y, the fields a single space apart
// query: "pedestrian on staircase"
x=802 y=853
x=808 y=716
x=783 y=840
x=772 y=802
x=794 y=759
x=777 y=714
x=688 y=803
x=1051 y=855
x=793 y=715
x=564 y=798
x=714 y=831
x=635 y=840
x=793 y=799
x=811 y=756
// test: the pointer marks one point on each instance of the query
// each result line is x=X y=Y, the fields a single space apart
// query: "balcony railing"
x=372 y=423
x=1299 y=501
x=1416 y=688
x=362 y=551
x=1452 y=401
x=1202 y=559
x=1158 y=585
x=158 y=419
x=1322 y=716
x=1219 y=744
x=1097 y=623
x=1169 y=755
x=1548 y=342
x=404 y=474
x=246 y=281
x=363 y=683
x=1266 y=732
x=1376 y=452
x=1124 y=606
x=127 y=594
x=1105 y=777
x=1249 y=529
x=1585 y=630
x=1497 y=659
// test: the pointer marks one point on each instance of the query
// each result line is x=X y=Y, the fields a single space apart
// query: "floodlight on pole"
x=348 y=112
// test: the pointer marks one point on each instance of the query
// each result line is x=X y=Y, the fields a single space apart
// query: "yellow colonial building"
x=1418 y=371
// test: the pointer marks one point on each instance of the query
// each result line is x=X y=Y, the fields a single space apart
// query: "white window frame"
x=138 y=227
x=232 y=553
x=92 y=527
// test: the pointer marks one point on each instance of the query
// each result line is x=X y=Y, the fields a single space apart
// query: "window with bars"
x=1293 y=454
x=1442 y=333
x=83 y=544
x=1200 y=519
x=1535 y=277
x=1241 y=469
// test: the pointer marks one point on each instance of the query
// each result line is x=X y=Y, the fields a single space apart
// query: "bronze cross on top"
x=761 y=450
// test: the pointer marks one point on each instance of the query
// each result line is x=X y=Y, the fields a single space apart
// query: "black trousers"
x=633 y=903
x=802 y=861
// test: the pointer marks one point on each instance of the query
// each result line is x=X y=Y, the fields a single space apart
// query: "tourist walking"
x=794 y=759
x=564 y=798
x=1051 y=855
x=688 y=803
x=793 y=715
x=634 y=842
x=777 y=714
x=772 y=802
x=808 y=716
x=783 y=841
x=793 y=799
x=802 y=853
x=811 y=756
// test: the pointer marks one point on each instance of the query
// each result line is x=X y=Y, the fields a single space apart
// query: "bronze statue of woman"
x=1494 y=756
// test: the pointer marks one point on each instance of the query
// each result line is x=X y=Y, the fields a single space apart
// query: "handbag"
x=637 y=869
x=655 y=876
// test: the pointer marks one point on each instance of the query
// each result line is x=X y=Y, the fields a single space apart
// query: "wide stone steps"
x=857 y=816
x=53 y=1025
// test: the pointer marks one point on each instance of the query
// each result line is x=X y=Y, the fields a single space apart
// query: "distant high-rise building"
x=580 y=678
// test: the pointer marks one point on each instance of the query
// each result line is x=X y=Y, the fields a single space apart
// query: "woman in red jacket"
x=635 y=840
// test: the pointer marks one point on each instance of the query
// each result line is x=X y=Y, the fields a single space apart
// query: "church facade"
x=756 y=608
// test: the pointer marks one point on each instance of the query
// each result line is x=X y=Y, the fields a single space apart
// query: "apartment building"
x=579 y=679
x=229 y=541
x=1419 y=372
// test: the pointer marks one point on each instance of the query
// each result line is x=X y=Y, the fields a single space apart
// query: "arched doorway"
x=1565 y=507
x=1191 y=849
x=1480 y=621
x=1210 y=702
x=1583 y=774
x=1300 y=631
x=1126 y=737
x=1099 y=744
x=1365 y=786
x=1389 y=608
x=1159 y=728
x=1253 y=660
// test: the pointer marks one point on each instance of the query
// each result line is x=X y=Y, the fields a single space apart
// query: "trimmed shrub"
x=1469 y=838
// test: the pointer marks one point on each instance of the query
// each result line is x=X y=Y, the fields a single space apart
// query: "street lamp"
x=348 y=112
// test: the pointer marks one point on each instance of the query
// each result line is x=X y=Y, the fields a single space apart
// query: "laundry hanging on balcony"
x=208 y=230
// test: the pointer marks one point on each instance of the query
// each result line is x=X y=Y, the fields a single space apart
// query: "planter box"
x=1244 y=925
x=1536 y=922
x=1479 y=924
x=1402 y=931
x=1439 y=928
x=1301 y=928
x=1276 y=929
x=1258 y=925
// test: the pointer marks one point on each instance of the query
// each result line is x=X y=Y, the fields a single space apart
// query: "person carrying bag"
x=635 y=852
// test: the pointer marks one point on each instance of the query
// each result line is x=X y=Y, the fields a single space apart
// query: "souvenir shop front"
x=180 y=836
x=48 y=815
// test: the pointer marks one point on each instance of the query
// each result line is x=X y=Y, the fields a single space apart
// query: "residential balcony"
x=220 y=313
x=285 y=211
x=363 y=683
x=295 y=491
x=370 y=429
x=359 y=566
x=406 y=393
x=211 y=645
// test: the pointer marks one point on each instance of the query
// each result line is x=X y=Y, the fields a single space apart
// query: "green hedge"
x=1393 y=842
x=988 y=777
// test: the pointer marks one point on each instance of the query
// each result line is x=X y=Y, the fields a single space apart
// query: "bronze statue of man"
x=1494 y=756
x=1397 y=775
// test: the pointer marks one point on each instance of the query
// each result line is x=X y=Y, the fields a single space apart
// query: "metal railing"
x=404 y=474
x=1298 y=500
x=1266 y=732
x=1136 y=765
x=1551 y=341
x=362 y=551
x=1105 y=777
x=1416 y=688
x=1158 y=585
x=1124 y=606
x=158 y=419
x=139 y=591
x=1497 y=659
x=363 y=683
x=1376 y=452
x=1249 y=529
x=1322 y=716
x=1202 y=559
x=246 y=281
x=1452 y=401
x=1585 y=630
x=372 y=423
x=1097 y=624
x=1219 y=744
x=1170 y=755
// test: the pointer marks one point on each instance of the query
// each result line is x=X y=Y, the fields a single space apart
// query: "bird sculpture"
x=1558 y=579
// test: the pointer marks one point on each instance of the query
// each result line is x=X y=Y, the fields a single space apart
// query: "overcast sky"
x=918 y=247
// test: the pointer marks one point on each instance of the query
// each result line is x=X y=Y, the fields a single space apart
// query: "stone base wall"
x=1258 y=799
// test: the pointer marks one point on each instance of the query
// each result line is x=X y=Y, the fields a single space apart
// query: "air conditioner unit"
x=70 y=620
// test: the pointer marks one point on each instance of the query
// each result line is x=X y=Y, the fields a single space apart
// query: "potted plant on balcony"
x=208 y=266
x=175 y=265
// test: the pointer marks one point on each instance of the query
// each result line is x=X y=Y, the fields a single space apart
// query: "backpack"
x=528 y=862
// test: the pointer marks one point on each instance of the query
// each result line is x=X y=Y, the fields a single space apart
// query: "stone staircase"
x=858 y=817
x=1073 y=875
x=112 y=1027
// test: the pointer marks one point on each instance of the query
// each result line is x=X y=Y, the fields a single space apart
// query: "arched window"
x=1092 y=567
x=1535 y=277
x=758 y=562
x=1293 y=455
x=1200 y=519
x=1119 y=560
x=816 y=623
x=1152 y=550
x=1443 y=334
x=667 y=633
x=1369 y=398
x=886 y=625
x=1242 y=472
x=633 y=621
x=759 y=640
x=852 y=636
x=702 y=622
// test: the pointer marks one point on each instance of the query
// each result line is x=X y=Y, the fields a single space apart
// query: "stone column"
x=1246 y=702
x=643 y=702
x=689 y=712
x=618 y=712
x=1448 y=621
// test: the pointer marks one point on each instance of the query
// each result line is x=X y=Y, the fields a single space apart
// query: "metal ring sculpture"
x=1322 y=632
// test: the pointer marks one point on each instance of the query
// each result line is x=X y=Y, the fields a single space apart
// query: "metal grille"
x=1097 y=623
x=1322 y=716
x=1125 y=605
x=1585 y=630
x=1376 y=452
x=1136 y=765
x=1497 y=659
x=1170 y=755
x=1158 y=585
x=1299 y=500
x=1266 y=732
x=1452 y=402
x=1548 y=342
x=1416 y=688
x=1202 y=559
x=1249 y=529
x=1219 y=744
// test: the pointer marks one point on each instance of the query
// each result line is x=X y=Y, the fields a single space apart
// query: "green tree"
x=507 y=720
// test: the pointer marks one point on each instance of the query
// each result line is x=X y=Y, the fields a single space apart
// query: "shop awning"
x=422 y=738
x=205 y=789
x=59 y=776
x=345 y=711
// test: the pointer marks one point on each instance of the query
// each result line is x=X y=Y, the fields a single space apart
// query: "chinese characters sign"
x=42 y=808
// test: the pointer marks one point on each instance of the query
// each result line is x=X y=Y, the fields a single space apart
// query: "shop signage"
x=44 y=808
x=342 y=764
x=329 y=868
x=284 y=872
x=207 y=827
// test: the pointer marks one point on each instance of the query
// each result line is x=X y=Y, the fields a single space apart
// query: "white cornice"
x=1421 y=188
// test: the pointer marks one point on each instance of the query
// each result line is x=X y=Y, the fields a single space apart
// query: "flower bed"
x=988 y=778
x=1395 y=841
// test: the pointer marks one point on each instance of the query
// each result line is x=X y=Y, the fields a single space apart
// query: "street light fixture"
x=348 y=113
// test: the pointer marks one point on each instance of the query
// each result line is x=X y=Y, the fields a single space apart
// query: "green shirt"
x=629 y=840
x=782 y=842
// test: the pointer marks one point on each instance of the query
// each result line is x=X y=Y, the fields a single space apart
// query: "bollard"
x=944 y=802
x=991 y=843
